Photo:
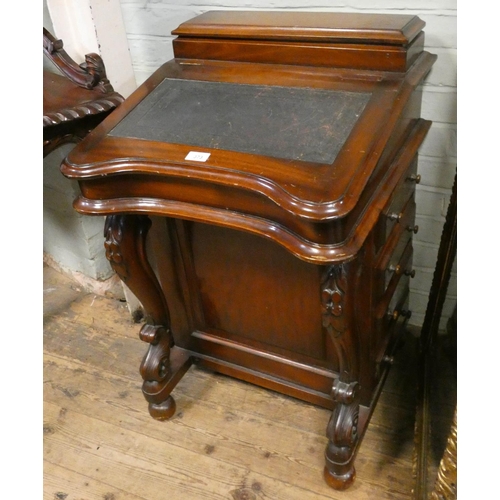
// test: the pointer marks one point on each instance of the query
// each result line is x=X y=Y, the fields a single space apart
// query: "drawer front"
x=393 y=218
x=395 y=307
x=404 y=189
x=394 y=327
x=396 y=279
x=393 y=268
x=399 y=212
x=401 y=194
x=401 y=262
x=390 y=254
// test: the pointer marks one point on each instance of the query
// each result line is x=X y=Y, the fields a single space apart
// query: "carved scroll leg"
x=161 y=369
x=342 y=430
x=163 y=365
x=342 y=433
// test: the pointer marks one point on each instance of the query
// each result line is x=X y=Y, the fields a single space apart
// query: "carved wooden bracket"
x=90 y=75
x=333 y=286
x=113 y=239
x=155 y=365
x=344 y=421
x=342 y=430
x=343 y=436
x=125 y=243
x=70 y=112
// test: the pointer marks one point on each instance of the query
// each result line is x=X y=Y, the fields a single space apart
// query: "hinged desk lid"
x=292 y=152
x=289 y=123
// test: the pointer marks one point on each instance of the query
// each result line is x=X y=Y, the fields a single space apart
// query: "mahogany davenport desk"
x=280 y=151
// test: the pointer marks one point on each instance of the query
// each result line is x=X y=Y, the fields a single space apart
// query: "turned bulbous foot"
x=339 y=482
x=164 y=410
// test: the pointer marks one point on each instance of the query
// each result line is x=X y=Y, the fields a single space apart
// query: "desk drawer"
x=392 y=327
x=396 y=209
x=396 y=279
x=398 y=265
x=395 y=244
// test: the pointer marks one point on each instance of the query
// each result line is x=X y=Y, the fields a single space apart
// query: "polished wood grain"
x=307 y=26
x=284 y=271
x=381 y=42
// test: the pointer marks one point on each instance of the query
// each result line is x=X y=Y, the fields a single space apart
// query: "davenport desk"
x=280 y=152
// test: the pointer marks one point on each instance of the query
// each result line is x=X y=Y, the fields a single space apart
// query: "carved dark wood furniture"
x=280 y=151
x=75 y=101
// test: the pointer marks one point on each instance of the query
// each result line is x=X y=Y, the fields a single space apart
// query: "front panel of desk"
x=277 y=153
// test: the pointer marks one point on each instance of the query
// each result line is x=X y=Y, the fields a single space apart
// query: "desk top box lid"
x=283 y=120
x=307 y=26
x=370 y=41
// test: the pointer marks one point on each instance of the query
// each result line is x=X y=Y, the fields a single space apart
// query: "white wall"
x=95 y=26
x=73 y=243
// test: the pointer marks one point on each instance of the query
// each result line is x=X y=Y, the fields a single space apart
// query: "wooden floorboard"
x=228 y=439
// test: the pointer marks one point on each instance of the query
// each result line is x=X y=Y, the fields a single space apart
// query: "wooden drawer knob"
x=396 y=314
x=395 y=269
x=388 y=359
x=393 y=314
x=395 y=216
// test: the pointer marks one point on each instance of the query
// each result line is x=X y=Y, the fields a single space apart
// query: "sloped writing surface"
x=290 y=123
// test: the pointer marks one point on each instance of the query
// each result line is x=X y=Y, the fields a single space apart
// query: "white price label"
x=196 y=156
